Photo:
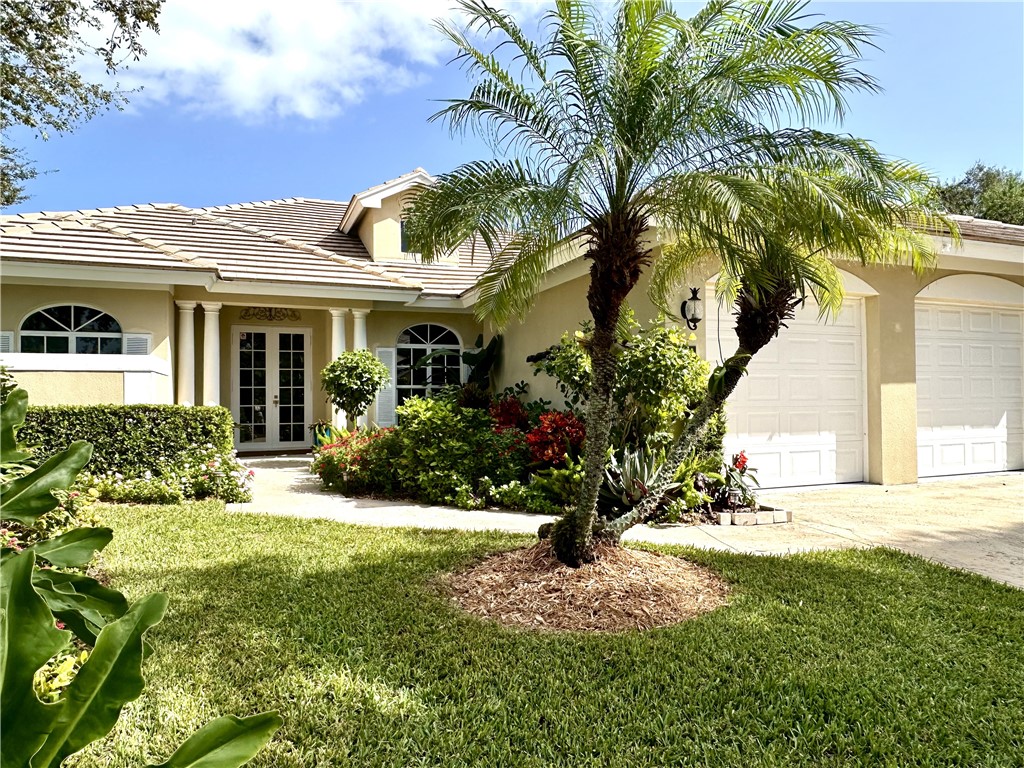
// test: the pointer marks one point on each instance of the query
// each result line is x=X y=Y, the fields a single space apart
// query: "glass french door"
x=271 y=390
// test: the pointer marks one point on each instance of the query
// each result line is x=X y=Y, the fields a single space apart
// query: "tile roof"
x=314 y=222
x=64 y=238
x=991 y=231
x=171 y=236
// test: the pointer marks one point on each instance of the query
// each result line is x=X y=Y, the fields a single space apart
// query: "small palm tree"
x=643 y=123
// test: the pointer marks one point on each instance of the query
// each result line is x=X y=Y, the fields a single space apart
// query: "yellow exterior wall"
x=380 y=229
x=72 y=387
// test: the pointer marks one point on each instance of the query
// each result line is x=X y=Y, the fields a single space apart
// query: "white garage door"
x=969 y=372
x=799 y=412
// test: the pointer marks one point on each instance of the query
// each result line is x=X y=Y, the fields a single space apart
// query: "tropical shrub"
x=73 y=649
x=659 y=381
x=353 y=380
x=147 y=453
x=557 y=435
x=445 y=448
x=523 y=497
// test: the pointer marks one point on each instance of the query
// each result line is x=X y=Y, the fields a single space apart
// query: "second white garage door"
x=969 y=372
x=799 y=413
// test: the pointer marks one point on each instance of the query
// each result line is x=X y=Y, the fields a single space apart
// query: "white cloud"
x=311 y=59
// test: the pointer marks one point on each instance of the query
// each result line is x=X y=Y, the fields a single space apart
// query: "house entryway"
x=271 y=387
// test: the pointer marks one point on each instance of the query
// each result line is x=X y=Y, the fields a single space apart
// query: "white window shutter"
x=6 y=342
x=387 y=397
x=136 y=343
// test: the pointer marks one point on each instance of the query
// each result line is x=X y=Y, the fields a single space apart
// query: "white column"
x=359 y=342
x=211 y=352
x=186 y=352
x=337 y=347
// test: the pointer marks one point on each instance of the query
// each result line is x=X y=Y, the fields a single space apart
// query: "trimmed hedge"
x=189 y=445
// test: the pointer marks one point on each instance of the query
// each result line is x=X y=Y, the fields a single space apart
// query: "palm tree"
x=643 y=122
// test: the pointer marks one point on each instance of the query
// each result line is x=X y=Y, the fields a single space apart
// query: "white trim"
x=156 y=278
x=40 y=361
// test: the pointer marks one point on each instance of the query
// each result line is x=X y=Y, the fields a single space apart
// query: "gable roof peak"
x=372 y=197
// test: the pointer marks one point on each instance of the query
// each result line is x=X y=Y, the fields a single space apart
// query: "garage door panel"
x=1010 y=322
x=979 y=355
x=980 y=322
x=1010 y=357
x=799 y=414
x=804 y=389
x=803 y=352
x=969 y=389
x=763 y=387
x=949 y=320
x=841 y=352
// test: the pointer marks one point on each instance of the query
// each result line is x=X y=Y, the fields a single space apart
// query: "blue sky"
x=318 y=98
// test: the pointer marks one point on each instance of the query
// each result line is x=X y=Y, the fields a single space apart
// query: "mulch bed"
x=626 y=589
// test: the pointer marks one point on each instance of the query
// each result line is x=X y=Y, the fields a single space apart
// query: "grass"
x=830 y=659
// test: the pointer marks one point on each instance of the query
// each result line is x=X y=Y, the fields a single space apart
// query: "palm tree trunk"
x=572 y=534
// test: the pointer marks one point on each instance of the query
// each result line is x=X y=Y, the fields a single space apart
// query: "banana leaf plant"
x=35 y=602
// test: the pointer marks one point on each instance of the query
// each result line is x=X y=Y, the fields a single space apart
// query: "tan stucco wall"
x=380 y=230
x=138 y=311
x=72 y=388
x=557 y=310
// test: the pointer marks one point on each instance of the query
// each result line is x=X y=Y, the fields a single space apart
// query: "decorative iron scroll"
x=269 y=314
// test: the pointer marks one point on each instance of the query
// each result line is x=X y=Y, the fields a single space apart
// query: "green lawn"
x=840 y=658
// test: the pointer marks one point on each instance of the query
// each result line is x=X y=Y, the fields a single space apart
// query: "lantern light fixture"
x=692 y=310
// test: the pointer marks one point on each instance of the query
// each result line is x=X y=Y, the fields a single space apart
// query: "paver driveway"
x=973 y=522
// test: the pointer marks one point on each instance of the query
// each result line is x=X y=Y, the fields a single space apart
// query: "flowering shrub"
x=359 y=463
x=739 y=477
x=558 y=435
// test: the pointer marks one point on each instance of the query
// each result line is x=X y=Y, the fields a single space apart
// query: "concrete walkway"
x=973 y=522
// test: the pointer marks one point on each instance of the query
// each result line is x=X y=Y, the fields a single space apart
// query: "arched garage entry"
x=970 y=337
x=800 y=413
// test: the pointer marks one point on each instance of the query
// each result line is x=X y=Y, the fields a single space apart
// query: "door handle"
x=275 y=400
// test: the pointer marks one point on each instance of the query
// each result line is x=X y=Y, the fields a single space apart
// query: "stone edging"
x=763 y=516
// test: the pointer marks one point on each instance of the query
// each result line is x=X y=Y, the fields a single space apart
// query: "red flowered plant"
x=557 y=435
x=739 y=460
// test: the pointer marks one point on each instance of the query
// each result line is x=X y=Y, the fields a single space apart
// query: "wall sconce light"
x=692 y=310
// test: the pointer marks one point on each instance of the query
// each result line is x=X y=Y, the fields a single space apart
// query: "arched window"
x=429 y=357
x=71 y=329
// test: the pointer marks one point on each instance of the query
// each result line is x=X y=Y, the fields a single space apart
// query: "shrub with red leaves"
x=509 y=412
x=557 y=434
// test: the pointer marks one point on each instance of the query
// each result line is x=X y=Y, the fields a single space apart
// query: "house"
x=242 y=305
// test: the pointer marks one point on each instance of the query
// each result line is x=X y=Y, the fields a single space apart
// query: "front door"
x=271 y=388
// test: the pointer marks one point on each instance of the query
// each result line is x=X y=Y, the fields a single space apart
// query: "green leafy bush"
x=660 y=380
x=445 y=448
x=72 y=649
x=173 y=451
x=353 y=380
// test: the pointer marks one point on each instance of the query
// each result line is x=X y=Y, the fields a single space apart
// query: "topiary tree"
x=353 y=380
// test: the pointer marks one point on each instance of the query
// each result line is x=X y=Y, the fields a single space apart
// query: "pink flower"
x=60 y=624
